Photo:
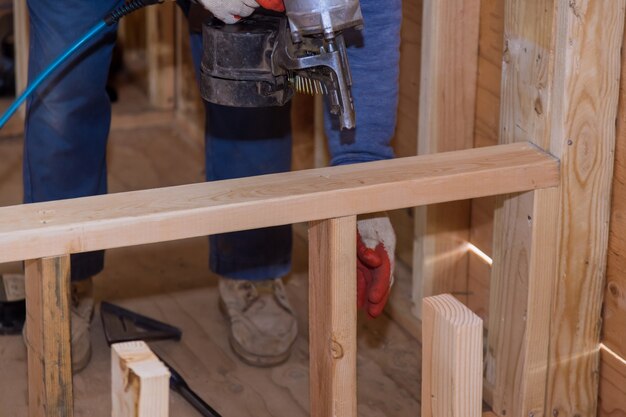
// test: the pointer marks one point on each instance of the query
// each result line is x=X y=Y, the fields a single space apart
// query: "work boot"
x=81 y=313
x=263 y=325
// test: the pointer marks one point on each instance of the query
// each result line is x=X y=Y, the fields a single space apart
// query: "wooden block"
x=332 y=317
x=126 y=219
x=449 y=67
x=48 y=337
x=139 y=382
x=452 y=353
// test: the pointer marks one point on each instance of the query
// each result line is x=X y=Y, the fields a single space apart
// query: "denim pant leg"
x=374 y=56
x=67 y=120
x=243 y=142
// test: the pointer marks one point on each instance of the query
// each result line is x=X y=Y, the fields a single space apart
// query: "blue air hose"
x=108 y=20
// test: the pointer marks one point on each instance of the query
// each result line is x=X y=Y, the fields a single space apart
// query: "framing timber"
x=48 y=337
x=449 y=68
x=333 y=317
x=140 y=382
x=452 y=359
x=559 y=89
x=161 y=55
x=126 y=219
x=21 y=34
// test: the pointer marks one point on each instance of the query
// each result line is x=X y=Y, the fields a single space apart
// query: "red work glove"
x=376 y=244
x=276 y=5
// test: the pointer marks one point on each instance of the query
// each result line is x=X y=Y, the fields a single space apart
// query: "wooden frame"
x=559 y=94
x=330 y=198
x=559 y=90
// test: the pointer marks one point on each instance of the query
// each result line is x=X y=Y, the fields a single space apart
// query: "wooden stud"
x=550 y=245
x=158 y=215
x=332 y=317
x=139 y=382
x=161 y=56
x=449 y=66
x=452 y=357
x=21 y=35
x=48 y=337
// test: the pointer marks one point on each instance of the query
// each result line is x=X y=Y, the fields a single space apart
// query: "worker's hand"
x=376 y=245
x=230 y=11
x=276 y=5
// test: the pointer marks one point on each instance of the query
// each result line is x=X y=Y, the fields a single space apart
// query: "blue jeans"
x=68 y=120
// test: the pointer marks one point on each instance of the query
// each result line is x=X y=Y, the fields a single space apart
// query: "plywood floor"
x=171 y=282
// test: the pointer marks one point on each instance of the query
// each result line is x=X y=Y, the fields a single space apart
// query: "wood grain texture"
x=560 y=82
x=612 y=401
x=332 y=317
x=517 y=349
x=449 y=66
x=486 y=131
x=160 y=55
x=589 y=39
x=140 y=382
x=21 y=35
x=134 y=218
x=48 y=337
x=452 y=359
x=613 y=334
x=612 y=394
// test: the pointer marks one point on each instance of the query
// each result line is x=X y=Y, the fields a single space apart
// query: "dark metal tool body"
x=122 y=325
x=261 y=60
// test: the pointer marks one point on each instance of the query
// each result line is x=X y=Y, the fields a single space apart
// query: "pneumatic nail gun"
x=262 y=59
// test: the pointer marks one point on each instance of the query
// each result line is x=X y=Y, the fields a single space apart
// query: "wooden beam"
x=48 y=337
x=139 y=382
x=333 y=315
x=550 y=245
x=449 y=68
x=161 y=55
x=452 y=359
x=140 y=217
x=21 y=36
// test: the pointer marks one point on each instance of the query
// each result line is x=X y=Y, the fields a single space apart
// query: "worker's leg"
x=67 y=124
x=244 y=142
x=67 y=120
x=374 y=56
x=240 y=143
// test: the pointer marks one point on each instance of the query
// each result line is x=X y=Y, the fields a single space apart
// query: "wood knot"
x=336 y=350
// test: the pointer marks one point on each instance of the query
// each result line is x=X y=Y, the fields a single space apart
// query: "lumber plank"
x=614 y=309
x=614 y=317
x=160 y=53
x=542 y=354
x=332 y=317
x=485 y=134
x=21 y=34
x=612 y=401
x=449 y=68
x=140 y=217
x=139 y=382
x=586 y=106
x=48 y=337
x=452 y=357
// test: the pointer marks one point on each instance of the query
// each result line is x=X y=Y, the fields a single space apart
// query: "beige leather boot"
x=263 y=326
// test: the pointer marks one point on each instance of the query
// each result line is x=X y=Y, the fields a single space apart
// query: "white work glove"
x=230 y=11
x=376 y=245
